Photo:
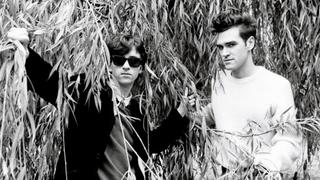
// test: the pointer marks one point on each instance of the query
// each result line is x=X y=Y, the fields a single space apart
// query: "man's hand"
x=21 y=35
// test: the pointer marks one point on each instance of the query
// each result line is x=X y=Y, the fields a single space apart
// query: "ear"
x=251 y=42
x=110 y=69
x=140 y=70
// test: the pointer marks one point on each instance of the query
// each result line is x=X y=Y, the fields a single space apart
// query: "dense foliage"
x=72 y=36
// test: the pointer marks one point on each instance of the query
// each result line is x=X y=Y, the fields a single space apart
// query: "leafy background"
x=72 y=36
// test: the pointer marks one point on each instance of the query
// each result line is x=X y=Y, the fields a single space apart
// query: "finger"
x=191 y=104
x=192 y=96
x=186 y=92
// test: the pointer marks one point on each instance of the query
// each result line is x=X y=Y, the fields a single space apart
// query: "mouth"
x=227 y=60
x=125 y=74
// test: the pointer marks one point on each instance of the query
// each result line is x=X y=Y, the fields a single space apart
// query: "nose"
x=126 y=65
x=224 y=52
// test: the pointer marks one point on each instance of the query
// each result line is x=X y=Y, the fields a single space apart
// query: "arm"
x=176 y=123
x=40 y=79
x=287 y=143
x=38 y=71
x=169 y=131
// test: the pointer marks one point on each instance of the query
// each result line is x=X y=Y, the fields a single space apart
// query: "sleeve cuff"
x=267 y=161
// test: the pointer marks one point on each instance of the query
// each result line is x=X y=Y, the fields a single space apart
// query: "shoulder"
x=274 y=79
x=81 y=86
x=272 y=76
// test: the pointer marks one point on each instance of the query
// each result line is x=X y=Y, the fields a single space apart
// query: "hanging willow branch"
x=72 y=35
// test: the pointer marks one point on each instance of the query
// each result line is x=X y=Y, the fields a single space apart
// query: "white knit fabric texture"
x=254 y=105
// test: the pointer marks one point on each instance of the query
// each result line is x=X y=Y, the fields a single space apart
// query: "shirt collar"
x=123 y=100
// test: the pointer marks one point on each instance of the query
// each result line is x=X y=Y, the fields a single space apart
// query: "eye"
x=230 y=44
x=219 y=47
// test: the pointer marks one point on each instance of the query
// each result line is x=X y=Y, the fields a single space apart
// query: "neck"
x=125 y=90
x=246 y=70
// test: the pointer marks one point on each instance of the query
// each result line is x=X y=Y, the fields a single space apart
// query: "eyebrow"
x=229 y=42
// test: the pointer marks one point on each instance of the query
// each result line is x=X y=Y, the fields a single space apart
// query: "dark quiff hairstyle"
x=226 y=20
x=122 y=44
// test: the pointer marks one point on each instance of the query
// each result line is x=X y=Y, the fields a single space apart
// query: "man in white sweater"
x=248 y=103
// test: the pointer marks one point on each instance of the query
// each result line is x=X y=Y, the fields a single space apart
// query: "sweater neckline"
x=246 y=79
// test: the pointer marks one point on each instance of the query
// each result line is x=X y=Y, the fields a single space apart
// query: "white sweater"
x=262 y=98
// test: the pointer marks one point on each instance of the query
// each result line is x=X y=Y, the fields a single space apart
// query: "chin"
x=228 y=68
x=126 y=83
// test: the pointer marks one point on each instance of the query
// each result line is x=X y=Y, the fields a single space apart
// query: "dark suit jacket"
x=88 y=130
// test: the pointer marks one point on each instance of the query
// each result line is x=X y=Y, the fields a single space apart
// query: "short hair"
x=122 y=44
x=226 y=20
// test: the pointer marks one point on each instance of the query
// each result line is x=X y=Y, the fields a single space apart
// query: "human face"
x=125 y=74
x=235 y=52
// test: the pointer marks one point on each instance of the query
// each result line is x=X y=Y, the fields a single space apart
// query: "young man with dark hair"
x=99 y=144
x=247 y=103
